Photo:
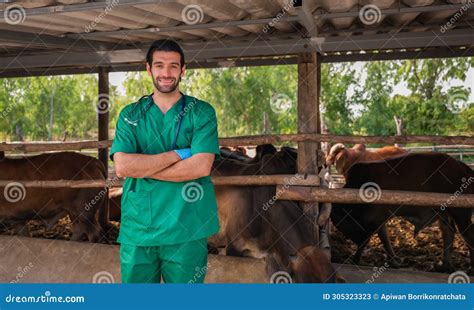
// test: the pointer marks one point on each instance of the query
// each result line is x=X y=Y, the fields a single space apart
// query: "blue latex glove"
x=184 y=153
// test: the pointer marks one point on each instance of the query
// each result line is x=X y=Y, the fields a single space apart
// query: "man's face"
x=166 y=71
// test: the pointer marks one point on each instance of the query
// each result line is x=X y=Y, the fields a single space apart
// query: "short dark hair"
x=164 y=45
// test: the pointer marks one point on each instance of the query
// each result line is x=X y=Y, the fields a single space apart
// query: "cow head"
x=334 y=153
x=264 y=149
x=308 y=265
x=311 y=265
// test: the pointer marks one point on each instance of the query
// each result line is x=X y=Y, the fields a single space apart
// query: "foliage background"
x=354 y=100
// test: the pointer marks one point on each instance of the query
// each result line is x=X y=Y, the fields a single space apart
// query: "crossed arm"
x=165 y=166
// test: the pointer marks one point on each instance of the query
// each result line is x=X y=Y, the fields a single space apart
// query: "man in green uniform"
x=165 y=144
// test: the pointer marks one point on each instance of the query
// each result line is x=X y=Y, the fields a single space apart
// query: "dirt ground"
x=420 y=253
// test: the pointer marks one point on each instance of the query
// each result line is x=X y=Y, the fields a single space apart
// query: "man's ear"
x=183 y=71
x=148 y=69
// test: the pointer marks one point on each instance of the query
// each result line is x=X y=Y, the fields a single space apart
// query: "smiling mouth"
x=166 y=81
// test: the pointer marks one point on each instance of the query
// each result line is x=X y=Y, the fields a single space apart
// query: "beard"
x=168 y=88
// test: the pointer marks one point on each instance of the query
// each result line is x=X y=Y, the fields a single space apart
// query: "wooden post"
x=102 y=109
x=308 y=122
x=103 y=113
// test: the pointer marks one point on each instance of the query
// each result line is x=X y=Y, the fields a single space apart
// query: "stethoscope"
x=180 y=116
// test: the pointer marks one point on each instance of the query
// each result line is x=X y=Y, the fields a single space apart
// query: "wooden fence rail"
x=353 y=196
x=290 y=187
x=248 y=140
x=241 y=180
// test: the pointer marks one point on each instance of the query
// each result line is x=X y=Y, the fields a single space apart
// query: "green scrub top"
x=158 y=212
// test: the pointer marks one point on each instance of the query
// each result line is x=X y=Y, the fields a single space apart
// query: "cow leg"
x=83 y=227
x=448 y=230
x=20 y=228
x=360 y=250
x=465 y=227
x=50 y=222
x=85 y=223
x=324 y=239
x=383 y=236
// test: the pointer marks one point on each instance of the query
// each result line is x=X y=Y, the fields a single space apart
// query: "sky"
x=117 y=78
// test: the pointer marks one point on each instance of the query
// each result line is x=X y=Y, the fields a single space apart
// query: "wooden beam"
x=223 y=63
x=212 y=50
x=29 y=147
x=391 y=197
x=262 y=180
x=438 y=52
x=159 y=30
x=239 y=180
x=308 y=123
x=81 y=7
x=397 y=10
x=306 y=17
x=102 y=109
x=314 y=137
x=297 y=192
x=50 y=42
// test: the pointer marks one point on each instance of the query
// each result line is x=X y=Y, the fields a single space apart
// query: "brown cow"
x=309 y=265
x=241 y=154
x=423 y=172
x=344 y=158
x=227 y=152
x=20 y=204
x=255 y=224
x=115 y=198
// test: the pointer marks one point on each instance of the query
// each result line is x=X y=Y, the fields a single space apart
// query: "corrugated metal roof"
x=330 y=26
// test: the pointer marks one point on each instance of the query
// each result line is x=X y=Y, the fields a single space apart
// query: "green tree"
x=337 y=105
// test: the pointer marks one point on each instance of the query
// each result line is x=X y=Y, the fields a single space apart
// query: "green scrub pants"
x=176 y=263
